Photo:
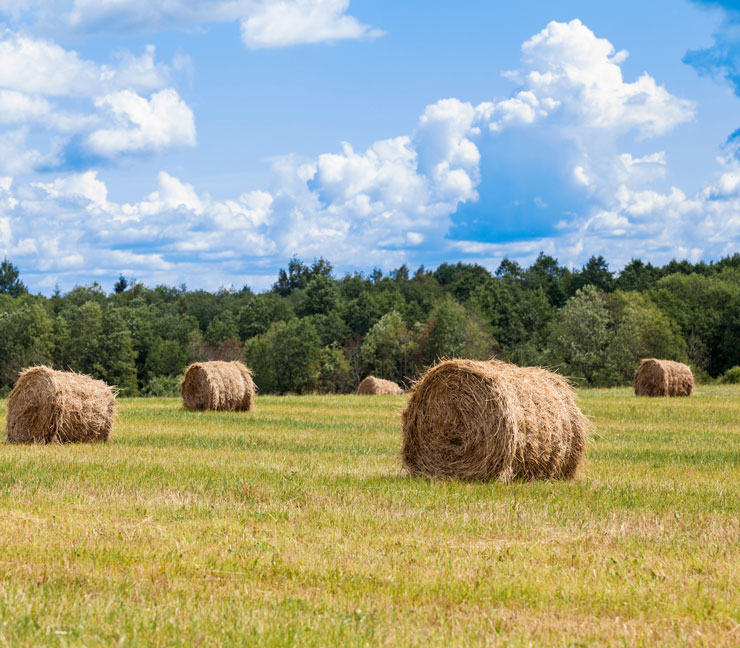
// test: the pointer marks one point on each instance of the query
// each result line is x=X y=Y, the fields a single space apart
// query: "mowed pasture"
x=292 y=525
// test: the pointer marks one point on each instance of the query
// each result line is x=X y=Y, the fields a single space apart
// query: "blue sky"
x=207 y=142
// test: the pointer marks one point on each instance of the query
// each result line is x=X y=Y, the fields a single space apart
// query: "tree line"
x=314 y=332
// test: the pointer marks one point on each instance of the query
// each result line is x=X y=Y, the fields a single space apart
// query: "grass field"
x=293 y=526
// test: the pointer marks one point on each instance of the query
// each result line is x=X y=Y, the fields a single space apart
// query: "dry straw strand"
x=377 y=386
x=48 y=406
x=475 y=420
x=663 y=378
x=218 y=385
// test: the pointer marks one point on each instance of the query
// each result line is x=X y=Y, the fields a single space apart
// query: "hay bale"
x=663 y=378
x=377 y=386
x=48 y=406
x=492 y=421
x=217 y=385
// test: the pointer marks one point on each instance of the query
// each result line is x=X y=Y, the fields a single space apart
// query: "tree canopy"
x=314 y=331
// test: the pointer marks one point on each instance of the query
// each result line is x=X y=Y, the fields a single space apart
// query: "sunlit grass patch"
x=292 y=525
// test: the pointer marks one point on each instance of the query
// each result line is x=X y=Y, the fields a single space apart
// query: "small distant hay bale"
x=493 y=421
x=377 y=387
x=218 y=385
x=48 y=406
x=663 y=378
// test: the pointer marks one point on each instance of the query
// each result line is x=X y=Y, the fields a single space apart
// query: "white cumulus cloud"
x=16 y=107
x=141 y=124
x=378 y=205
x=264 y=23
x=41 y=67
x=62 y=95
x=569 y=66
x=280 y=23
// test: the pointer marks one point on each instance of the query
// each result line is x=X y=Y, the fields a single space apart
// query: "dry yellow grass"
x=291 y=525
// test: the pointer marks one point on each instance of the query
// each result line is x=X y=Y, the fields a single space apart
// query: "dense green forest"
x=316 y=332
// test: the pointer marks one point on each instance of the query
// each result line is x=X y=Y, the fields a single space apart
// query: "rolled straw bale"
x=217 y=385
x=492 y=421
x=48 y=406
x=377 y=386
x=663 y=378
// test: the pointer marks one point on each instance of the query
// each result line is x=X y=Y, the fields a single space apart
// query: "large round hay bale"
x=377 y=386
x=492 y=421
x=217 y=385
x=663 y=378
x=48 y=406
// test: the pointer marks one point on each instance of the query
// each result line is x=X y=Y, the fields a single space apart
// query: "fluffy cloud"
x=16 y=107
x=399 y=193
x=37 y=66
x=172 y=229
x=571 y=90
x=279 y=23
x=48 y=86
x=402 y=193
x=161 y=122
x=83 y=185
x=16 y=155
x=131 y=107
x=383 y=204
x=40 y=67
x=568 y=69
x=727 y=186
x=264 y=23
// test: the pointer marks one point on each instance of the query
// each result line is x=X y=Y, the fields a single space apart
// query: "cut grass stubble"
x=292 y=525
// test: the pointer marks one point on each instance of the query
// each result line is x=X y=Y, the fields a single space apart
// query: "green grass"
x=292 y=525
